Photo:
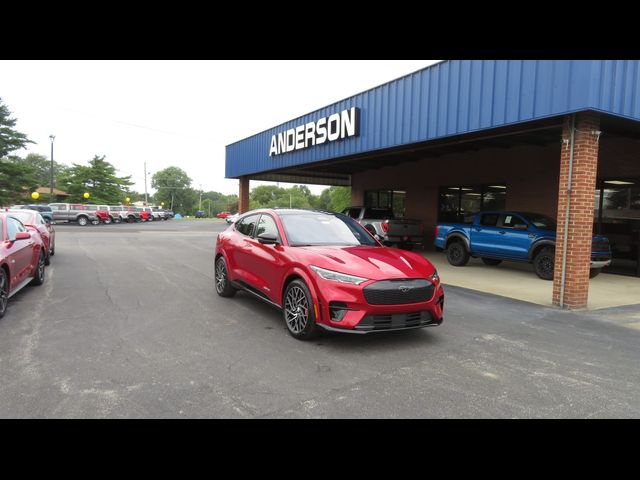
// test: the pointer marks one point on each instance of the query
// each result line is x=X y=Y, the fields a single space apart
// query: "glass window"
x=246 y=225
x=392 y=199
x=458 y=203
x=489 y=219
x=24 y=217
x=314 y=228
x=541 y=221
x=14 y=226
x=267 y=225
x=510 y=221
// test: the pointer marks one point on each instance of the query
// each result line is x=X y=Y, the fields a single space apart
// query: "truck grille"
x=600 y=246
x=397 y=322
x=398 y=292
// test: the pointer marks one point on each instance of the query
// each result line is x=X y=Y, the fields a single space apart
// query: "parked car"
x=130 y=214
x=115 y=212
x=145 y=213
x=34 y=221
x=22 y=258
x=325 y=271
x=201 y=214
x=98 y=211
x=382 y=224
x=73 y=212
x=495 y=236
x=222 y=214
x=159 y=213
x=232 y=218
x=45 y=210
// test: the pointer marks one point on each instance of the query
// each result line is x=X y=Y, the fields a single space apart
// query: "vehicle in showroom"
x=325 y=271
x=35 y=221
x=495 y=236
x=384 y=226
x=21 y=258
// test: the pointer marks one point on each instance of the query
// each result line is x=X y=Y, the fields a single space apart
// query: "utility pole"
x=51 y=199
x=145 y=183
x=200 y=207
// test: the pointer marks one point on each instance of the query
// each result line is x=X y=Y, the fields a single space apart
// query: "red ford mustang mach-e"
x=325 y=270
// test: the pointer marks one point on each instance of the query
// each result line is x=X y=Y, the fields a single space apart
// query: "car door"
x=239 y=251
x=20 y=253
x=485 y=235
x=516 y=236
x=267 y=261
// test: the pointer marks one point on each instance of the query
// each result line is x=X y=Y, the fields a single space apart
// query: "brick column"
x=581 y=205
x=243 y=197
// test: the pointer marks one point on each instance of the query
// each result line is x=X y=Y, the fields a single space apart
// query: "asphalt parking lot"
x=127 y=325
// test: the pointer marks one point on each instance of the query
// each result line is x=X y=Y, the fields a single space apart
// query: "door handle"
x=502 y=232
x=477 y=229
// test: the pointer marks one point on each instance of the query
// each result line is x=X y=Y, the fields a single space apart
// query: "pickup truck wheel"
x=457 y=254
x=491 y=261
x=543 y=263
x=594 y=272
x=82 y=221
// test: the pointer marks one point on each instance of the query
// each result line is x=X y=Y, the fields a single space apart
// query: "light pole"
x=145 y=183
x=52 y=138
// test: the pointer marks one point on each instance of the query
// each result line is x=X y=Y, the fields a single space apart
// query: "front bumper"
x=600 y=263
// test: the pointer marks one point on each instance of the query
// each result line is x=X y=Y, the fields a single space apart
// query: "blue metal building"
x=501 y=123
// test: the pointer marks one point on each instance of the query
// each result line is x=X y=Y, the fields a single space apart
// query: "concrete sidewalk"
x=518 y=280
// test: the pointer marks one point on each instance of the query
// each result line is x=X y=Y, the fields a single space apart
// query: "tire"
x=457 y=254
x=594 y=272
x=543 y=263
x=221 y=279
x=83 y=221
x=4 y=292
x=107 y=221
x=491 y=261
x=38 y=279
x=299 y=314
x=53 y=250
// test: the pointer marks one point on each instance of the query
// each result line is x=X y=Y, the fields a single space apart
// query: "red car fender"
x=296 y=270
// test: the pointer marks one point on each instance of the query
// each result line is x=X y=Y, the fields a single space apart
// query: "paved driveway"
x=127 y=326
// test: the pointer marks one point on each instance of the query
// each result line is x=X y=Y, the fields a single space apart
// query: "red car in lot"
x=224 y=214
x=34 y=221
x=324 y=270
x=21 y=258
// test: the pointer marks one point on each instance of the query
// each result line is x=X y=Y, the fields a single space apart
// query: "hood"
x=375 y=263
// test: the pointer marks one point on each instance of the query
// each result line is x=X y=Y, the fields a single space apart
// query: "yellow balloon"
x=86 y=195
x=162 y=204
x=127 y=199
x=35 y=195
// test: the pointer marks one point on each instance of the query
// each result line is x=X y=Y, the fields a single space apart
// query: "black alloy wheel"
x=457 y=254
x=222 y=283
x=544 y=263
x=298 y=310
x=4 y=292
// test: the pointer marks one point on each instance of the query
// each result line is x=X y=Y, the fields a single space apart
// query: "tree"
x=16 y=180
x=340 y=198
x=10 y=139
x=173 y=187
x=98 y=179
x=42 y=168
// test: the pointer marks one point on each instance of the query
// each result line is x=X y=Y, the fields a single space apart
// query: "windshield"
x=315 y=228
x=540 y=221
x=24 y=217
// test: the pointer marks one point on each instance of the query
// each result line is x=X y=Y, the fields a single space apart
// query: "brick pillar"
x=243 y=197
x=581 y=205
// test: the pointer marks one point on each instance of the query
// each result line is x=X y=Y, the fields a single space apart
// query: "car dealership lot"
x=127 y=325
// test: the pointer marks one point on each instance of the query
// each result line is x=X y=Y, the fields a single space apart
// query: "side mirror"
x=23 y=236
x=268 y=239
x=520 y=226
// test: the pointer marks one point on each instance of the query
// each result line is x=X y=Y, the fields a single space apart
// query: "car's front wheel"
x=544 y=263
x=4 y=292
x=299 y=314
x=223 y=285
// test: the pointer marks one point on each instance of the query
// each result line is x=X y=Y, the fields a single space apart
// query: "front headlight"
x=434 y=276
x=338 y=277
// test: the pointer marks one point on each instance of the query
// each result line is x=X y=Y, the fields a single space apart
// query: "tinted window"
x=378 y=213
x=510 y=220
x=267 y=225
x=352 y=212
x=489 y=219
x=541 y=221
x=91 y=208
x=245 y=226
x=14 y=226
x=314 y=228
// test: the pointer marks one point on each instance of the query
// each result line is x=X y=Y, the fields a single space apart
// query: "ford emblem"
x=404 y=289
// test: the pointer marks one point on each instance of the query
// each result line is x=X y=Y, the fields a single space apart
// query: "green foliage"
x=98 y=179
x=41 y=166
x=10 y=139
x=173 y=187
x=17 y=180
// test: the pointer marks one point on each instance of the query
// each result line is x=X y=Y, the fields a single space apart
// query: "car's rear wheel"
x=82 y=221
x=544 y=263
x=491 y=261
x=4 y=292
x=298 y=310
x=38 y=278
x=223 y=285
x=457 y=254
x=52 y=251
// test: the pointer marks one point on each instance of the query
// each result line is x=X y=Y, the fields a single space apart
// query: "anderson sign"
x=328 y=129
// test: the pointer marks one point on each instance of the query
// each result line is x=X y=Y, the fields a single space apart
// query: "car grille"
x=398 y=292
x=600 y=246
x=397 y=321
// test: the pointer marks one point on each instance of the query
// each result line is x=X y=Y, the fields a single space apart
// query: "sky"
x=173 y=113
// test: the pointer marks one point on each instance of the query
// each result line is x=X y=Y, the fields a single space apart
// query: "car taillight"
x=385 y=226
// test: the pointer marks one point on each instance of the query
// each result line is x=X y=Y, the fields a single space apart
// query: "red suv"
x=325 y=270
x=223 y=214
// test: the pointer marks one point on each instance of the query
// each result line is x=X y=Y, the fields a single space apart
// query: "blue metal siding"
x=453 y=98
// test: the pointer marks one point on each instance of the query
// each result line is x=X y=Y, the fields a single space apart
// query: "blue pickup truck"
x=517 y=236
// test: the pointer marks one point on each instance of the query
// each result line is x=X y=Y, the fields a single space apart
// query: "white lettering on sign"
x=336 y=126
